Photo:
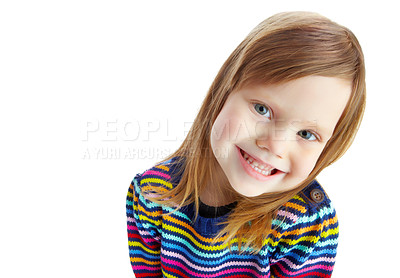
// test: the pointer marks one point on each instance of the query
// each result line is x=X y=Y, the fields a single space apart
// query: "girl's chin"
x=247 y=192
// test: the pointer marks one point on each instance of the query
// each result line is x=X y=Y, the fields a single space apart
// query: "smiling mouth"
x=261 y=168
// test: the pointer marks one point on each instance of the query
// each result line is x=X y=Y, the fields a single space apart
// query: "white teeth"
x=264 y=172
x=257 y=166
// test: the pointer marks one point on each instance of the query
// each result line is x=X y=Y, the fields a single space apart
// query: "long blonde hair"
x=283 y=47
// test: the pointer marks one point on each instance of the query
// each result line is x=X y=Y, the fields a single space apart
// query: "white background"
x=80 y=80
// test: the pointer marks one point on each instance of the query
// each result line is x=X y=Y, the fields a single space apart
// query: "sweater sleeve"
x=306 y=245
x=144 y=230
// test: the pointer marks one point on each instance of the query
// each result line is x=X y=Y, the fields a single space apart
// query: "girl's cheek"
x=228 y=127
x=304 y=165
x=220 y=131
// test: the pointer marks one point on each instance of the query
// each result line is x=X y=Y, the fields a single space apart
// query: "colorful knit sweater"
x=302 y=242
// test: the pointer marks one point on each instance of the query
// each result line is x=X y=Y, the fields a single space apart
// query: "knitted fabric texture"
x=302 y=242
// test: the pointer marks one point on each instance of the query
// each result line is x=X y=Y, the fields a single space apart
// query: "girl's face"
x=268 y=138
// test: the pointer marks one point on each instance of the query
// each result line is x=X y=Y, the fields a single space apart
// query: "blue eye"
x=305 y=134
x=262 y=110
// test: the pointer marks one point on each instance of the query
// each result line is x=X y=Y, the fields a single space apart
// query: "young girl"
x=239 y=197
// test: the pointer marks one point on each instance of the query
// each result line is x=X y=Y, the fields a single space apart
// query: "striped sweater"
x=302 y=242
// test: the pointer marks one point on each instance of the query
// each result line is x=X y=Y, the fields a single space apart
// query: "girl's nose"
x=275 y=140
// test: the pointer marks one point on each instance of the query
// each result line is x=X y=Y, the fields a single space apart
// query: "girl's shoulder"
x=314 y=196
x=164 y=174
x=305 y=232
x=310 y=206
